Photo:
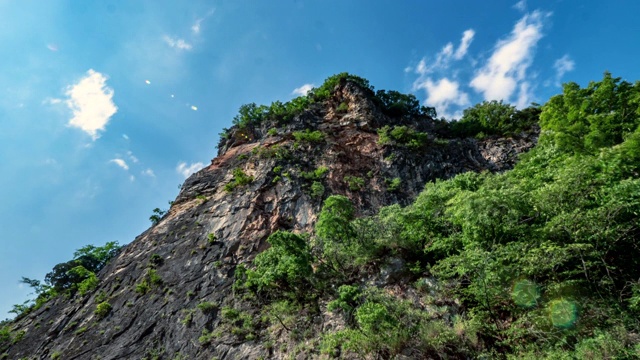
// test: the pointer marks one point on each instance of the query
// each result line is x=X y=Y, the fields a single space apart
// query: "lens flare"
x=563 y=313
x=525 y=293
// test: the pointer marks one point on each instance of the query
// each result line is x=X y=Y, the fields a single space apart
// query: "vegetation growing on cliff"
x=539 y=262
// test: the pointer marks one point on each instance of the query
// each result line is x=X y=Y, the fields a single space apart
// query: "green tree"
x=586 y=119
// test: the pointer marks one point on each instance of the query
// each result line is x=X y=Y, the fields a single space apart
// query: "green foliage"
x=157 y=215
x=342 y=108
x=394 y=184
x=600 y=115
x=495 y=118
x=239 y=179
x=402 y=136
x=102 y=310
x=325 y=91
x=238 y=323
x=316 y=174
x=309 y=136
x=250 y=114
x=76 y=275
x=272 y=132
x=317 y=189
x=148 y=281
x=285 y=266
x=211 y=238
x=207 y=307
x=396 y=104
x=355 y=183
x=542 y=261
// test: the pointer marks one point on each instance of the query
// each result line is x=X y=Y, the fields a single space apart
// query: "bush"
x=317 y=189
x=354 y=183
x=102 y=310
x=315 y=136
x=239 y=179
x=402 y=136
x=283 y=268
x=207 y=307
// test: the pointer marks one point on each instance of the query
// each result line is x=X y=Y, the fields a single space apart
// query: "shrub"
x=317 y=189
x=207 y=307
x=157 y=215
x=102 y=310
x=239 y=179
x=284 y=267
x=315 y=136
x=394 y=184
x=355 y=183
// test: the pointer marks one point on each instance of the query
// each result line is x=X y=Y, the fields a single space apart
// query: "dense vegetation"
x=540 y=262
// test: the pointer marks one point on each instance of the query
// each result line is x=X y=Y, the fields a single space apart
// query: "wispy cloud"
x=177 y=43
x=52 y=101
x=120 y=162
x=196 y=27
x=446 y=56
x=187 y=170
x=442 y=94
x=563 y=66
x=148 y=172
x=467 y=38
x=302 y=90
x=132 y=157
x=91 y=102
x=521 y=5
x=443 y=91
x=506 y=71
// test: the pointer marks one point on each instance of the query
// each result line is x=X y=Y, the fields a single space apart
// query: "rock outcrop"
x=265 y=178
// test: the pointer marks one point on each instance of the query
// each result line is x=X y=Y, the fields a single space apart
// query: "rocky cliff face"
x=266 y=177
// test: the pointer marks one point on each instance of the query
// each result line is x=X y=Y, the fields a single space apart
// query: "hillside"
x=326 y=227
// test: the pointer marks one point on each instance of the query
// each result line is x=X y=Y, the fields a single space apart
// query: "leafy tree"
x=285 y=266
x=494 y=118
x=586 y=119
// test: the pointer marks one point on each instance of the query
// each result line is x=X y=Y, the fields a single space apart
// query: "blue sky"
x=106 y=106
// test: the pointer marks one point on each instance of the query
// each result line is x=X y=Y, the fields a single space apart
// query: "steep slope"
x=268 y=175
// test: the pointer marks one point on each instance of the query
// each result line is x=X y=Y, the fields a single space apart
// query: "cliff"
x=269 y=175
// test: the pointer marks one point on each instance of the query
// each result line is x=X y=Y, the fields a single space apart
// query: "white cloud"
x=443 y=93
x=91 y=102
x=187 y=170
x=563 y=66
x=467 y=38
x=302 y=90
x=125 y=136
x=121 y=163
x=506 y=68
x=132 y=157
x=52 y=47
x=149 y=172
x=446 y=55
x=132 y=178
x=194 y=108
x=177 y=43
x=521 y=5
x=52 y=101
x=196 y=27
